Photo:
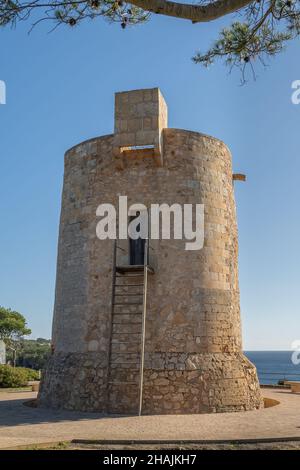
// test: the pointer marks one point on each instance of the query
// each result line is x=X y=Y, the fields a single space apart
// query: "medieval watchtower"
x=148 y=327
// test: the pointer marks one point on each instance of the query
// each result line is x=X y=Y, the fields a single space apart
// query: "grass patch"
x=15 y=389
x=61 y=445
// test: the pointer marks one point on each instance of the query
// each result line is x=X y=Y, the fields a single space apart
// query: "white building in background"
x=2 y=352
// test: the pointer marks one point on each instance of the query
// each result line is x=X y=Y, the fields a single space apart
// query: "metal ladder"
x=127 y=336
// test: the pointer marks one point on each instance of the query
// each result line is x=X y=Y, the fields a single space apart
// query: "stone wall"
x=75 y=381
x=184 y=383
x=140 y=117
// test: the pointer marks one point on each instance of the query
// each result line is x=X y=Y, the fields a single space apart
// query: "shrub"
x=11 y=377
x=31 y=373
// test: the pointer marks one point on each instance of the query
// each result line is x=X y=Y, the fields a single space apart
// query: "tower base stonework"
x=177 y=383
x=193 y=360
x=202 y=383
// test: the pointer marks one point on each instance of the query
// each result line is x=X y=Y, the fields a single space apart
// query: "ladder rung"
x=136 y=363
x=124 y=304
x=124 y=294
x=128 y=285
x=128 y=313
x=122 y=383
x=122 y=333
x=127 y=303
x=126 y=352
x=125 y=342
x=125 y=313
x=130 y=274
x=122 y=276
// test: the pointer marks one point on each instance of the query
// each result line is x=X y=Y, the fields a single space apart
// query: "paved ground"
x=23 y=425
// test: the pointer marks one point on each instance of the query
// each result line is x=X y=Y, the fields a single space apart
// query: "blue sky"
x=60 y=89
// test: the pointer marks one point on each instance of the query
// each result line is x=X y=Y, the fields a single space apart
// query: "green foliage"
x=266 y=28
x=71 y=12
x=11 y=377
x=12 y=326
x=31 y=373
x=32 y=353
x=239 y=46
x=263 y=29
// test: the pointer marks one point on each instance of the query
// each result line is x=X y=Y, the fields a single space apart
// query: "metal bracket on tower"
x=238 y=177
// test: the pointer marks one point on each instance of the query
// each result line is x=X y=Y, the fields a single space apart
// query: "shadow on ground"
x=19 y=412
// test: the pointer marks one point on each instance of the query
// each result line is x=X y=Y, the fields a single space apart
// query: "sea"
x=274 y=366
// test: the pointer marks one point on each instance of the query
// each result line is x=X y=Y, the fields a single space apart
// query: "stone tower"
x=172 y=342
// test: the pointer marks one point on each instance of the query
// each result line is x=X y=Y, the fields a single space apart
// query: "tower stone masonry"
x=188 y=358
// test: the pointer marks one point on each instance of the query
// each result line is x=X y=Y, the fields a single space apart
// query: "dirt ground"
x=274 y=427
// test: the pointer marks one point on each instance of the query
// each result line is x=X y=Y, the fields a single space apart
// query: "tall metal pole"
x=114 y=259
x=143 y=327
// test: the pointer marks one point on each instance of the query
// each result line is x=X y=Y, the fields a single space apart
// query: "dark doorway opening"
x=137 y=251
x=136 y=247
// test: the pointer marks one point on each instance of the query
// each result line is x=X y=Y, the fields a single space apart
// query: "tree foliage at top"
x=259 y=29
x=266 y=28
